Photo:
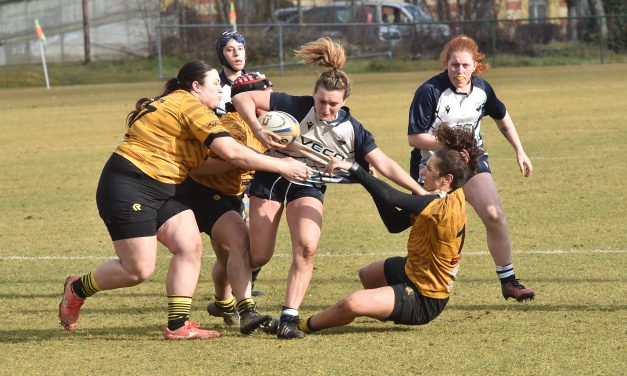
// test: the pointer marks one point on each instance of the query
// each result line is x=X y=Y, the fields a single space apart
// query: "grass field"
x=568 y=224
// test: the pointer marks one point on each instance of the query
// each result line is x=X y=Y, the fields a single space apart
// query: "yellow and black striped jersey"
x=234 y=181
x=166 y=140
x=435 y=244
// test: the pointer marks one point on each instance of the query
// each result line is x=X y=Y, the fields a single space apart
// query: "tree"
x=597 y=6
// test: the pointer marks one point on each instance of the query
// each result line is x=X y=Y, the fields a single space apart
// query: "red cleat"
x=70 y=306
x=515 y=289
x=189 y=330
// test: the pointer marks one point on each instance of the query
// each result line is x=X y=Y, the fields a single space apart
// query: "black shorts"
x=275 y=187
x=415 y=165
x=410 y=308
x=208 y=204
x=131 y=203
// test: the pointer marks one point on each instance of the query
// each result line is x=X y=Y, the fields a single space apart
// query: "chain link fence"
x=122 y=29
x=271 y=45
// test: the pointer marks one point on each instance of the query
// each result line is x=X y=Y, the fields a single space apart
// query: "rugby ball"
x=282 y=124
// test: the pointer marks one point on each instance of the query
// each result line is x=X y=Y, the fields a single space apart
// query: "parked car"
x=284 y=14
x=393 y=20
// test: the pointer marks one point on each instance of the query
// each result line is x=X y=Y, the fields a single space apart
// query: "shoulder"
x=348 y=121
x=284 y=99
x=298 y=106
x=434 y=86
x=192 y=109
x=482 y=84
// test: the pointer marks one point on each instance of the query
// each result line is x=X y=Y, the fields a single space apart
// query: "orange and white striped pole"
x=42 y=39
x=232 y=15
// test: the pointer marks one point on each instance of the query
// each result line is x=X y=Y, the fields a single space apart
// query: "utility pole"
x=86 y=43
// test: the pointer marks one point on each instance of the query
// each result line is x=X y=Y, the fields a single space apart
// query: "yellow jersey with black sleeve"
x=435 y=245
x=168 y=138
x=235 y=181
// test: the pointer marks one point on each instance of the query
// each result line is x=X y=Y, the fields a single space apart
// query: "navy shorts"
x=410 y=308
x=415 y=166
x=208 y=204
x=131 y=203
x=275 y=187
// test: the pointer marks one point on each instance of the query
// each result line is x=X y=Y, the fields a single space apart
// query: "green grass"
x=146 y=70
x=567 y=222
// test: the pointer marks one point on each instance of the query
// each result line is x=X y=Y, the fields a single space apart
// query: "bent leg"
x=232 y=232
x=482 y=195
x=376 y=303
x=181 y=236
x=265 y=216
x=136 y=262
x=373 y=275
x=304 y=218
x=219 y=275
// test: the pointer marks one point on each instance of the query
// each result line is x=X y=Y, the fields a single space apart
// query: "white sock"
x=505 y=272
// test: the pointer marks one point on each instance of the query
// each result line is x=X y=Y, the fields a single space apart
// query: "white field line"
x=329 y=254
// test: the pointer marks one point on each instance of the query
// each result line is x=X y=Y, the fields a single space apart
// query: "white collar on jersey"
x=341 y=115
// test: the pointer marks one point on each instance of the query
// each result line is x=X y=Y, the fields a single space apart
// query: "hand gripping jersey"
x=169 y=137
x=437 y=102
x=435 y=245
x=235 y=181
x=345 y=138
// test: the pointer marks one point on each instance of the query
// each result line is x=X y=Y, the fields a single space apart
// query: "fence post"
x=281 y=62
x=159 y=59
x=601 y=49
x=494 y=26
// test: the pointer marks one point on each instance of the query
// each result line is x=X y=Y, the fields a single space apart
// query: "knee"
x=493 y=216
x=191 y=249
x=366 y=281
x=305 y=254
x=137 y=274
x=348 y=306
x=257 y=261
x=363 y=277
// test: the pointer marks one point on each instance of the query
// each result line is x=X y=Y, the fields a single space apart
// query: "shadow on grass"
x=531 y=306
x=55 y=295
x=356 y=328
x=535 y=281
x=102 y=334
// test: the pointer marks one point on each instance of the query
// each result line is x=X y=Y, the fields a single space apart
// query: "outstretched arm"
x=393 y=205
x=212 y=166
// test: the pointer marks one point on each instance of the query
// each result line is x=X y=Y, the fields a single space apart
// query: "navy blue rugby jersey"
x=436 y=102
x=344 y=138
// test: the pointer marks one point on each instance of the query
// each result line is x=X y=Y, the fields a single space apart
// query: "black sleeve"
x=393 y=205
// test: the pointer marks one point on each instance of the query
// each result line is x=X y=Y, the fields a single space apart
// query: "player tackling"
x=412 y=290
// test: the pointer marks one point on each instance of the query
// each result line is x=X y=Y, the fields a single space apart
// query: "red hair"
x=463 y=43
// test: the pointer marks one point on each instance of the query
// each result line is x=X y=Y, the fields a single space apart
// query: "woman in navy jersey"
x=459 y=97
x=327 y=130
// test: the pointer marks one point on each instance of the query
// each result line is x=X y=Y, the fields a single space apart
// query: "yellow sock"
x=304 y=325
x=85 y=286
x=179 y=308
x=226 y=303
x=245 y=304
